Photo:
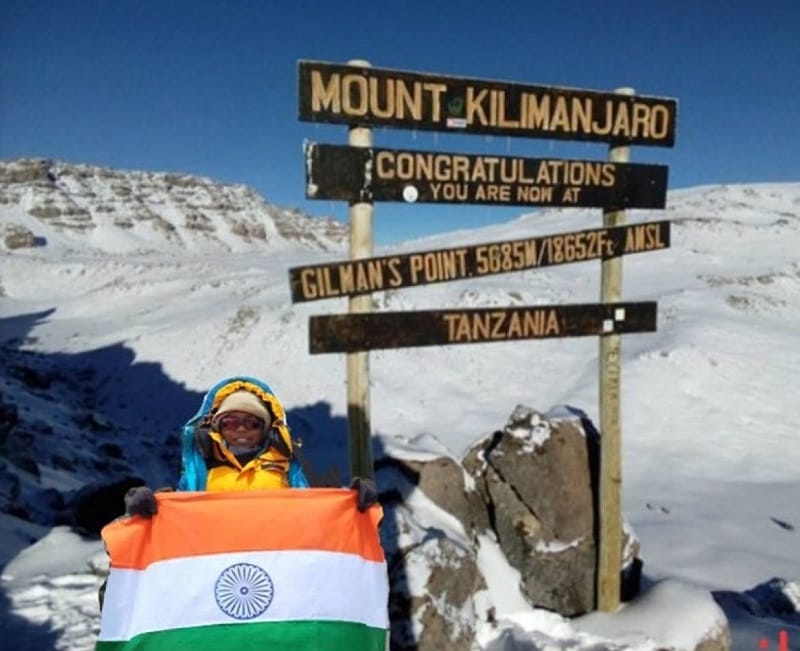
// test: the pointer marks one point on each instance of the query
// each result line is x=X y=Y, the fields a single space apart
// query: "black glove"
x=140 y=500
x=367 y=492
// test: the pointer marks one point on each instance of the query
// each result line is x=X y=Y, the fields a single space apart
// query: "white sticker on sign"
x=410 y=193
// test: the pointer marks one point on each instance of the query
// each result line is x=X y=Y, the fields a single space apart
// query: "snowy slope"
x=139 y=326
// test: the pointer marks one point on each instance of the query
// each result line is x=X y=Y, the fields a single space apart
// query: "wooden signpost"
x=346 y=94
x=358 y=402
x=344 y=333
x=609 y=552
x=353 y=277
x=359 y=174
x=361 y=97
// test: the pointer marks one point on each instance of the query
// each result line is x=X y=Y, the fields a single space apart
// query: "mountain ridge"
x=45 y=202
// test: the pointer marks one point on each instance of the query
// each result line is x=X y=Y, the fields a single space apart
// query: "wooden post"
x=358 y=412
x=609 y=558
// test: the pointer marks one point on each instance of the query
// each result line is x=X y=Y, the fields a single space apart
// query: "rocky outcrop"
x=537 y=482
x=531 y=487
x=16 y=236
x=539 y=479
x=535 y=479
x=437 y=609
x=42 y=201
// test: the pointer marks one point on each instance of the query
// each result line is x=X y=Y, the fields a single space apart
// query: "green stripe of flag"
x=294 y=635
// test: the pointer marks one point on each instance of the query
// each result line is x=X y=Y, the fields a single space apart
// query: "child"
x=239 y=440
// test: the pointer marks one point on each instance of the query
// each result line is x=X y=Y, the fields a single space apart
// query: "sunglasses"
x=232 y=422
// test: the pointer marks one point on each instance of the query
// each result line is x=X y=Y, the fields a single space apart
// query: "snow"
x=710 y=453
x=59 y=553
x=503 y=580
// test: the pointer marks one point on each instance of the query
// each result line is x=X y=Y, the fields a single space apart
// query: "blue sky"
x=209 y=87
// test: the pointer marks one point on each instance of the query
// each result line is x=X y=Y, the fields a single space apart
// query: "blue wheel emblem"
x=243 y=591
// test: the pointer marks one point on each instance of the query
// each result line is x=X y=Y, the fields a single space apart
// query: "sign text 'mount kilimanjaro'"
x=348 y=333
x=346 y=94
x=366 y=174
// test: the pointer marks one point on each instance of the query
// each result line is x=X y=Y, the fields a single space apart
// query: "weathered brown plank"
x=353 y=277
x=358 y=174
x=339 y=333
x=342 y=94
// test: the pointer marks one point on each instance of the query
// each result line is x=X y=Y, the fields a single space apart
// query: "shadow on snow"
x=103 y=417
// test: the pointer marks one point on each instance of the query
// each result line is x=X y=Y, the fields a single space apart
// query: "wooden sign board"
x=366 y=275
x=364 y=174
x=348 y=333
x=343 y=94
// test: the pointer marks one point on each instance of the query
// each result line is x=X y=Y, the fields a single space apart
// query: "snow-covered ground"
x=710 y=452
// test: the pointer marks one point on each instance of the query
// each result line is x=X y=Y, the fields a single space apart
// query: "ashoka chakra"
x=243 y=591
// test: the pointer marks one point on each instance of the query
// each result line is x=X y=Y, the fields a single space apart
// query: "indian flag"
x=280 y=569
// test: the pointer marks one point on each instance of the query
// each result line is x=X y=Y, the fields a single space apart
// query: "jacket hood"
x=193 y=465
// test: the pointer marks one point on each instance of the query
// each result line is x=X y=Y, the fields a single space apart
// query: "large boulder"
x=534 y=476
x=538 y=480
x=532 y=488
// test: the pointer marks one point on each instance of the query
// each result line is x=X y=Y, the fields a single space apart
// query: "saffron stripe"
x=201 y=523
x=244 y=588
x=294 y=636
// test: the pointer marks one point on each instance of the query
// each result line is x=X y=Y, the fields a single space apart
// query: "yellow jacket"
x=225 y=473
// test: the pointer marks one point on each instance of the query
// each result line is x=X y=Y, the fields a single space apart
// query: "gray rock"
x=531 y=487
x=18 y=237
x=535 y=478
x=440 y=604
x=442 y=481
